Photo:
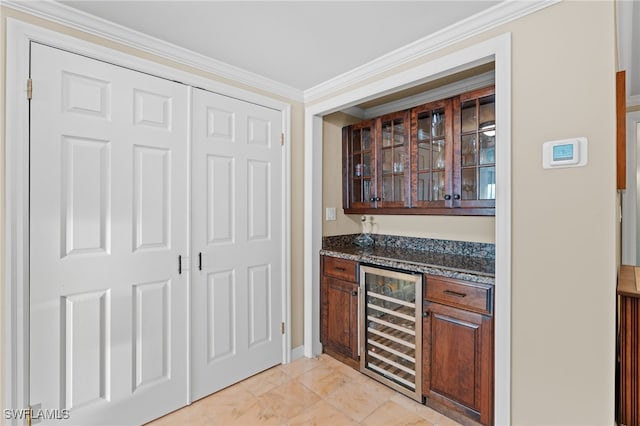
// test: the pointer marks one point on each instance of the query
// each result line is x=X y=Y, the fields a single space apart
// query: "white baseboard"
x=297 y=353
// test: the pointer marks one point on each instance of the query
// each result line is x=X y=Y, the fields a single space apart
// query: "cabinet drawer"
x=466 y=295
x=340 y=268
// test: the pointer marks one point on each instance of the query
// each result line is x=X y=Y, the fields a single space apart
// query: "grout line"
x=323 y=361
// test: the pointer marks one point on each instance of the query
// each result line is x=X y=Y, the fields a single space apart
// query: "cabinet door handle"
x=456 y=196
x=447 y=197
x=200 y=261
x=454 y=293
x=354 y=293
x=179 y=265
x=425 y=314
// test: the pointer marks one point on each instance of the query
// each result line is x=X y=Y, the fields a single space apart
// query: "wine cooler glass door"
x=391 y=328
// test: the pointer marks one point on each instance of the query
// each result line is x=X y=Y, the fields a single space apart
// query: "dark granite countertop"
x=438 y=257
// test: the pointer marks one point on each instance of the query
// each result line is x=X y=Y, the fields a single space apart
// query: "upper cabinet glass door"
x=431 y=154
x=360 y=165
x=475 y=133
x=393 y=170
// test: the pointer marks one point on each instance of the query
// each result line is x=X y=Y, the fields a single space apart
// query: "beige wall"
x=563 y=221
x=332 y=175
x=297 y=179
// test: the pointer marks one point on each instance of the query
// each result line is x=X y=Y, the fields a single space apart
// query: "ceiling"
x=296 y=43
x=303 y=49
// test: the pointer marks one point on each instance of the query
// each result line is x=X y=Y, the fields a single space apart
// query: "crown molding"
x=442 y=92
x=495 y=16
x=79 y=20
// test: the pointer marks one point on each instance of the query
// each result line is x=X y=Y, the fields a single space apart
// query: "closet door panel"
x=108 y=220
x=237 y=240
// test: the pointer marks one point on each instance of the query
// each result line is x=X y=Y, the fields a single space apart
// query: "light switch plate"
x=330 y=213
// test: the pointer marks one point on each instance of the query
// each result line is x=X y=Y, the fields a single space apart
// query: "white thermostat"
x=564 y=153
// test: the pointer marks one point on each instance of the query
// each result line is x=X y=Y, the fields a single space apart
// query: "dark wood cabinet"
x=392 y=166
x=376 y=163
x=339 y=307
x=358 y=171
x=342 y=316
x=432 y=155
x=457 y=337
x=436 y=158
x=458 y=348
x=474 y=129
x=628 y=350
x=621 y=130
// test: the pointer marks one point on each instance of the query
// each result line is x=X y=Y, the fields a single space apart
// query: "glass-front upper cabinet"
x=431 y=154
x=436 y=158
x=393 y=166
x=360 y=165
x=475 y=136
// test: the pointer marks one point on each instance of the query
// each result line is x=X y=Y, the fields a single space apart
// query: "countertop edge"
x=471 y=276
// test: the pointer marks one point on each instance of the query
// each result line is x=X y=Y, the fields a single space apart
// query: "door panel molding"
x=85 y=317
x=245 y=174
x=84 y=237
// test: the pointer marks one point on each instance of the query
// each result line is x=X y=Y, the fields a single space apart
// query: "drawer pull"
x=340 y=268
x=454 y=293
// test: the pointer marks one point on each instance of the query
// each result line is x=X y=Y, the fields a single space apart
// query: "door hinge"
x=29 y=89
x=281 y=139
x=282 y=327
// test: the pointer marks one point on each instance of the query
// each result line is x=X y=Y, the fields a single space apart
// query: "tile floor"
x=308 y=391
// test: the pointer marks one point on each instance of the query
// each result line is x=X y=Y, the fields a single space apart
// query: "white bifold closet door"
x=236 y=241
x=108 y=220
x=110 y=312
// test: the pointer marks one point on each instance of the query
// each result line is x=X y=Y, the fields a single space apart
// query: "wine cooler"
x=391 y=328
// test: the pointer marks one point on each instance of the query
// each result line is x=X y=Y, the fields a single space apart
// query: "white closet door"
x=236 y=220
x=108 y=194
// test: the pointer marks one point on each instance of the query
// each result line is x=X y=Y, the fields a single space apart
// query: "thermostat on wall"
x=564 y=153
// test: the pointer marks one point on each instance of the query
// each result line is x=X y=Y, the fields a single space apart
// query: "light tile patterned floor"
x=309 y=391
